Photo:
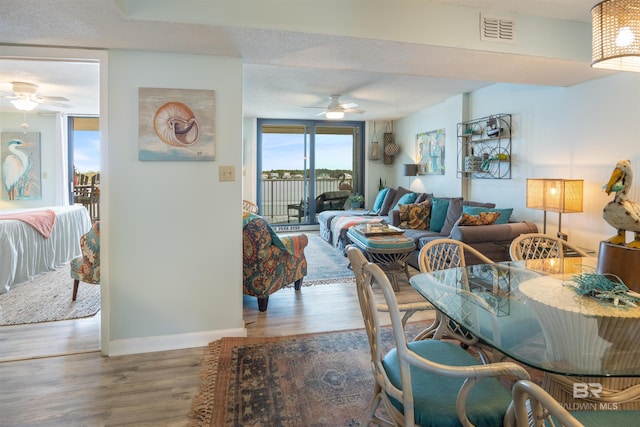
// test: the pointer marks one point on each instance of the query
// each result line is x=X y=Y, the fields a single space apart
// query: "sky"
x=86 y=150
x=286 y=151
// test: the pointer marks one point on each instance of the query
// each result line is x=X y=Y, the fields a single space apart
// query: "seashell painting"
x=176 y=124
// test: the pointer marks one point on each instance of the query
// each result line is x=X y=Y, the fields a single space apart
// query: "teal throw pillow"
x=377 y=204
x=406 y=199
x=438 y=214
x=505 y=214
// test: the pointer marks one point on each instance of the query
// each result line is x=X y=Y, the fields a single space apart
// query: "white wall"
x=174 y=230
x=46 y=126
x=576 y=132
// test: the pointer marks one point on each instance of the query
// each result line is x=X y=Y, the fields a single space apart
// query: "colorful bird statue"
x=14 y=167
x=621 y=213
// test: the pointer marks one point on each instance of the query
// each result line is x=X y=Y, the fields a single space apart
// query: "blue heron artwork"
x=20 y=163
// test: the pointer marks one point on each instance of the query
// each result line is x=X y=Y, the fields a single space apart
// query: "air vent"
x=494 y=29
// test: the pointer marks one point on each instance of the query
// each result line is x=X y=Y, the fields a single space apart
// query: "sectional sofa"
x=426 y=217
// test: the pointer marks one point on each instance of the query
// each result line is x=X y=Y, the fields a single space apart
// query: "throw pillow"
x=400 y=191
x=455 y=211
x=483 y=218
x=415 y=216
x=406 y=199
x=387 y=203
x=505 y=214
x=422 y=197
x=438 y=213
x=377 y=204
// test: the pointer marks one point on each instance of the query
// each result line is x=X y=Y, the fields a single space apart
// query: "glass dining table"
x=530 y=311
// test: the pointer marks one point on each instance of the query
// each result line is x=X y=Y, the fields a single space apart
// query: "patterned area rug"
x=48 y=298
x=324 y=263
x=304 y=380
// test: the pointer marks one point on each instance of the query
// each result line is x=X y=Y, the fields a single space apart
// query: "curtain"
x=62 y=181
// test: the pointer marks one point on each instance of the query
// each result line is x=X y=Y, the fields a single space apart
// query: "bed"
x=25 y=253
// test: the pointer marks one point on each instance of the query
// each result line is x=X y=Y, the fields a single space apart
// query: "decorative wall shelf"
x=484 y=148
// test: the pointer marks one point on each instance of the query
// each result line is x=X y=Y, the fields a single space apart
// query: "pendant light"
x=615 y=40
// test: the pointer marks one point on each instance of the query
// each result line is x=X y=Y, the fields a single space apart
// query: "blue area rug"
x=324 y=263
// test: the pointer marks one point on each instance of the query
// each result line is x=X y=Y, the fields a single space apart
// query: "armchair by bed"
x=86 y=268
x=270 y=262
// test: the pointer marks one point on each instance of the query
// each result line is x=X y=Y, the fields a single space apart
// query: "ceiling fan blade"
x=349 y=105
x=306 y=106
x=39 y=98
x=321 y=114
x=353 y=110
x=57 y=104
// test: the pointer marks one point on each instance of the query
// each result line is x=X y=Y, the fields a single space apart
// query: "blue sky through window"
x=286 y=151
x=86 y=150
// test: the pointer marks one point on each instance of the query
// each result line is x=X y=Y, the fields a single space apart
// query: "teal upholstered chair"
x=86 y=268
x=270 y=262
x=536 y=408
x=427 y=382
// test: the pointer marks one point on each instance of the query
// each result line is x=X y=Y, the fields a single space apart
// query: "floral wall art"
x=430 y=152
x=21 y=165
x=176 y=124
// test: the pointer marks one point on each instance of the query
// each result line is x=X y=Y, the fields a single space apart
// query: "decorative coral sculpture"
x=621 y=213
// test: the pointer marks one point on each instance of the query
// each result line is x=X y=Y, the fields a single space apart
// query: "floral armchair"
x=270 y=262
x=87 y=267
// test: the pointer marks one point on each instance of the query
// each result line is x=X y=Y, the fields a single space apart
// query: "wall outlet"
x=227 y=173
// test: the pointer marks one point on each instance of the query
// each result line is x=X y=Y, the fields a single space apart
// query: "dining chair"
x=358 y=261
x=540 y=246
x=427 y=382
x=534 y=407
x=248 y=206
x=441 y=254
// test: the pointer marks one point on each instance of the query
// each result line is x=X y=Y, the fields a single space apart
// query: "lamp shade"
x=555 y=195
x=615 y=38
x=410 y=169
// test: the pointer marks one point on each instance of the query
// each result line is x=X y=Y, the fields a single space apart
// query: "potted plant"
x=356 y=201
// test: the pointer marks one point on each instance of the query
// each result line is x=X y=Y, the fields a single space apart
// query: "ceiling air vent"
x=493 y=29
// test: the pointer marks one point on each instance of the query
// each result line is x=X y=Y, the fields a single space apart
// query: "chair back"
x=248 y=206
x=441 y=254
x=540 y=246
x=534 y=407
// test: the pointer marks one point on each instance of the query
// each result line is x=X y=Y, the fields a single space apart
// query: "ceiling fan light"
x=24 y=104
x=335 y=114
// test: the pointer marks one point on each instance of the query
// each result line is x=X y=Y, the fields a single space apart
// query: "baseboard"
x=169 y=342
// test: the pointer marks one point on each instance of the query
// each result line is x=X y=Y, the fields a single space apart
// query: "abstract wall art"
x=430 y=152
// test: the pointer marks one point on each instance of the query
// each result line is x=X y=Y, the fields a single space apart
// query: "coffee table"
x=384 y=245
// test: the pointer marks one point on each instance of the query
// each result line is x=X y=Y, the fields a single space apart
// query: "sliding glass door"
x=305 y=167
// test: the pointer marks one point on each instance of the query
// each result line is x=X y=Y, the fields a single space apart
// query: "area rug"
x=324 y=263
x=48 y=298
x=304 y=380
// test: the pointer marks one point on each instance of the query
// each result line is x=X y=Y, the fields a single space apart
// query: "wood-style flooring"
x=53 y=374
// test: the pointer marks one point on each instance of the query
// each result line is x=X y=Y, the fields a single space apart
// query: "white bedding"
x=24 y=253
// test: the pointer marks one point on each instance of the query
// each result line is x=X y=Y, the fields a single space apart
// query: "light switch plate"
x=227 y=173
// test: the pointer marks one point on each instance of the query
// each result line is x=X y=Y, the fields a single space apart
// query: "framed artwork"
x=21 y=166
x=176 y=124
x=430 y=152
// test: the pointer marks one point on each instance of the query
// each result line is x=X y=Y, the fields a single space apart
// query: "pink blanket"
x=42 y=221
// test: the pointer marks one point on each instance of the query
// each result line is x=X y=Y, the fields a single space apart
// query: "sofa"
x=424 y=217
x=270 y=262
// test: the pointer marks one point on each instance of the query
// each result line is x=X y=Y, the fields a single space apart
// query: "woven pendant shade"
x=615 y=42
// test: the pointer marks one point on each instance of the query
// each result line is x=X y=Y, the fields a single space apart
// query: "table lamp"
x=410 y=169
x=555 y=195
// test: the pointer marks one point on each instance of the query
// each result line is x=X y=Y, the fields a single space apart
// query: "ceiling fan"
x=24 y=97
x=336 y=110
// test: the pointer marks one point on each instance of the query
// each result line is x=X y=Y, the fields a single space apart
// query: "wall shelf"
x=484 y=148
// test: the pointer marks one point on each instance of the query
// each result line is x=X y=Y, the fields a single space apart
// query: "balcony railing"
x=277 y=194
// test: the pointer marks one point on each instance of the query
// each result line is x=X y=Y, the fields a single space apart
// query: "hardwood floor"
x=42 y=386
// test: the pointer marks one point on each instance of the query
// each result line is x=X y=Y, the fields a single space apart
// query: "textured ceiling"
x=284 y=71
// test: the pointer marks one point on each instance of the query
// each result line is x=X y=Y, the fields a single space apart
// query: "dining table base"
x=576 y=393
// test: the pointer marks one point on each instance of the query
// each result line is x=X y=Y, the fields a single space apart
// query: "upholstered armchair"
x=86 y=268
x=270 y=262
